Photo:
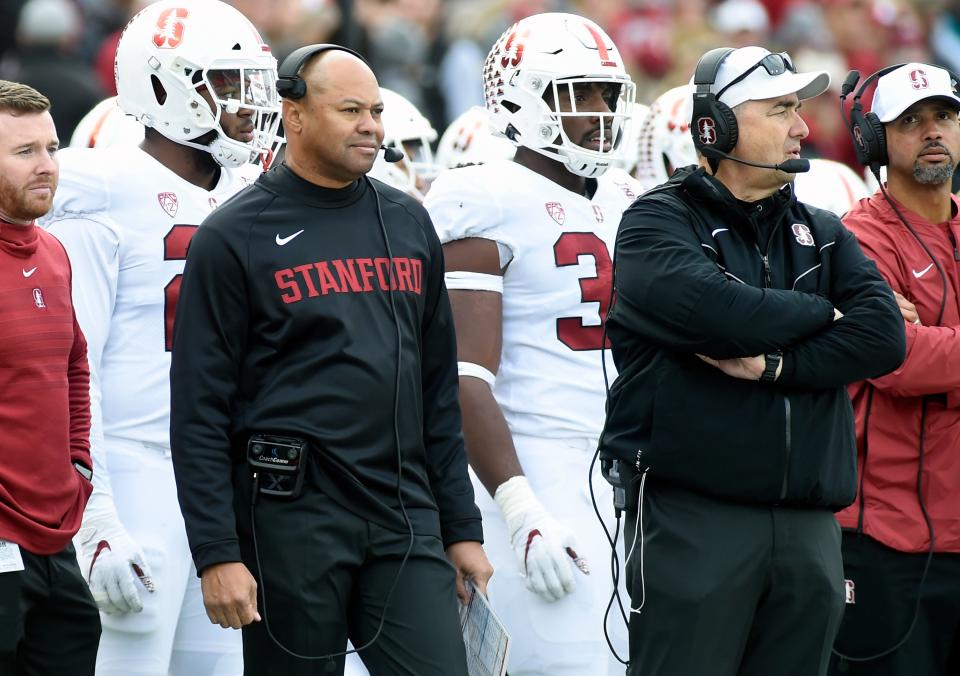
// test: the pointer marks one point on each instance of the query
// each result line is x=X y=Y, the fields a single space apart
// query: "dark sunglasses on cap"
x=774 y=64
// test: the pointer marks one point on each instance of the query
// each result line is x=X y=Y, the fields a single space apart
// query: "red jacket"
x=44 y=394
x=888 y=439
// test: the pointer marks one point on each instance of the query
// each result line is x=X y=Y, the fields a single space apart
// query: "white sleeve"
x=463 y=204
x=93 y=246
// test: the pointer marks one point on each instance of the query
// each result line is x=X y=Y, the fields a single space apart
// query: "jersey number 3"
x=175 y=245
x=571 y=331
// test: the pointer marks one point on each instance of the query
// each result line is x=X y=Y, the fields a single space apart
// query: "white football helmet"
x=540 y=55
x=664 y=137
x=172 y=50
x=631 y=151
x=830 y=185
x=106 y=125
x=407 y=130
x=470 y=140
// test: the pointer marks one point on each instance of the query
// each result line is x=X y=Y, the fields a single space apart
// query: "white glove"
x=111 y=560
x=545 y=548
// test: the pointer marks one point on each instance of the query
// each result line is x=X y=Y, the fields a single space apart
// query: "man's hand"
x=229 y=594
x=471 y=563
x=745 y=368
x=545 y=548
x=114 y=564
x=907 y=309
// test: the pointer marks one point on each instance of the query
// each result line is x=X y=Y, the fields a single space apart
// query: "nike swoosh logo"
x=284 y=240
x=27 y=273
x=920 y=274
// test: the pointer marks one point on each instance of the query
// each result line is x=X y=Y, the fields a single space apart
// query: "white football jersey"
x=126 y=221
x=556 y=286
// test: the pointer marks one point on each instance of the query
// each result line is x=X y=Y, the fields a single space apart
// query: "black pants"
x=324 y=576
x=49 y=624
x=731 y=590
x=886 y=583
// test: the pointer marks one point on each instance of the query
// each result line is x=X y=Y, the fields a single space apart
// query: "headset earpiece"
x=869 y=136
x=713 y=123
x=289 y=83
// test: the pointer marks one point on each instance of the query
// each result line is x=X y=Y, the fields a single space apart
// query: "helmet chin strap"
x=229 y=153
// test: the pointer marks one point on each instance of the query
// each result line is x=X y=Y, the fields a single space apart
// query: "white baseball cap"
x=901 y=88
x=754 y=66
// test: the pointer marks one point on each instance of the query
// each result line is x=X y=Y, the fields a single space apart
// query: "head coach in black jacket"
x=740 y=317
x=315 y=429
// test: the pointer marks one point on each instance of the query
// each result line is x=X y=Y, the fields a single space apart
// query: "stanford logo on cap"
x=707 y=131
x=918 y=79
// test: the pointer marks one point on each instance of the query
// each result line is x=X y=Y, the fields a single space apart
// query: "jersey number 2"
x=571 y=331
x=175 y=245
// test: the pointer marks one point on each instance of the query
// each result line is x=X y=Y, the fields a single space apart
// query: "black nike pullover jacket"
x=284 y=326
x=699 y=272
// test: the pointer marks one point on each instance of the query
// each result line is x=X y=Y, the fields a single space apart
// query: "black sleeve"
x=673 y=295
x=442 y=427
x=867 y=342
x=208 y=344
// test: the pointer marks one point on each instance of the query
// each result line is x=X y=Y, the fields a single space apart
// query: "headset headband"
x=708 y=67
x=289 y=83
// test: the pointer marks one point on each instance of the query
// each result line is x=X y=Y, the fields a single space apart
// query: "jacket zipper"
x=787 y=444
x=953 y=239
x=768 y=283
x=767 y=272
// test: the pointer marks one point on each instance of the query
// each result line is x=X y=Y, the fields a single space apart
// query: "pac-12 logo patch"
x=555 y=209
x=169 y=203
x=802 y=234
x=707 y=131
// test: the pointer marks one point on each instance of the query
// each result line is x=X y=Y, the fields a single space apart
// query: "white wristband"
x=514 y=497
x=464 y=280
x=466 y=368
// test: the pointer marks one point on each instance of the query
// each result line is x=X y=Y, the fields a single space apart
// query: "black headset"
x=706 y=105
x=866 y=129
x=289 y=83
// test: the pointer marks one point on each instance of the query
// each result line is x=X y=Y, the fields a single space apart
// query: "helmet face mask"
x=537 y=64
x=174 y=59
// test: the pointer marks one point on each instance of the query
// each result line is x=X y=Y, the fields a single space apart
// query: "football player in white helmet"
x=201 y=81
x=528 y=246
x=830 y=185
x=106 y=125
x=664 y=142
x=470 y=140
x=631 y=152
x=407 y=130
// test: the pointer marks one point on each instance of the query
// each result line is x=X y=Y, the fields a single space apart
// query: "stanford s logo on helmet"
x=175 y=51
x=538 y=58
x=170 y=27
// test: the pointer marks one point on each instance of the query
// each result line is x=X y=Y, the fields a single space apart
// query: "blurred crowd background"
x=431 y=51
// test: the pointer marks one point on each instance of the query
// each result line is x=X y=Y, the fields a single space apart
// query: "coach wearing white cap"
x=741 y=315
x=904 y=608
